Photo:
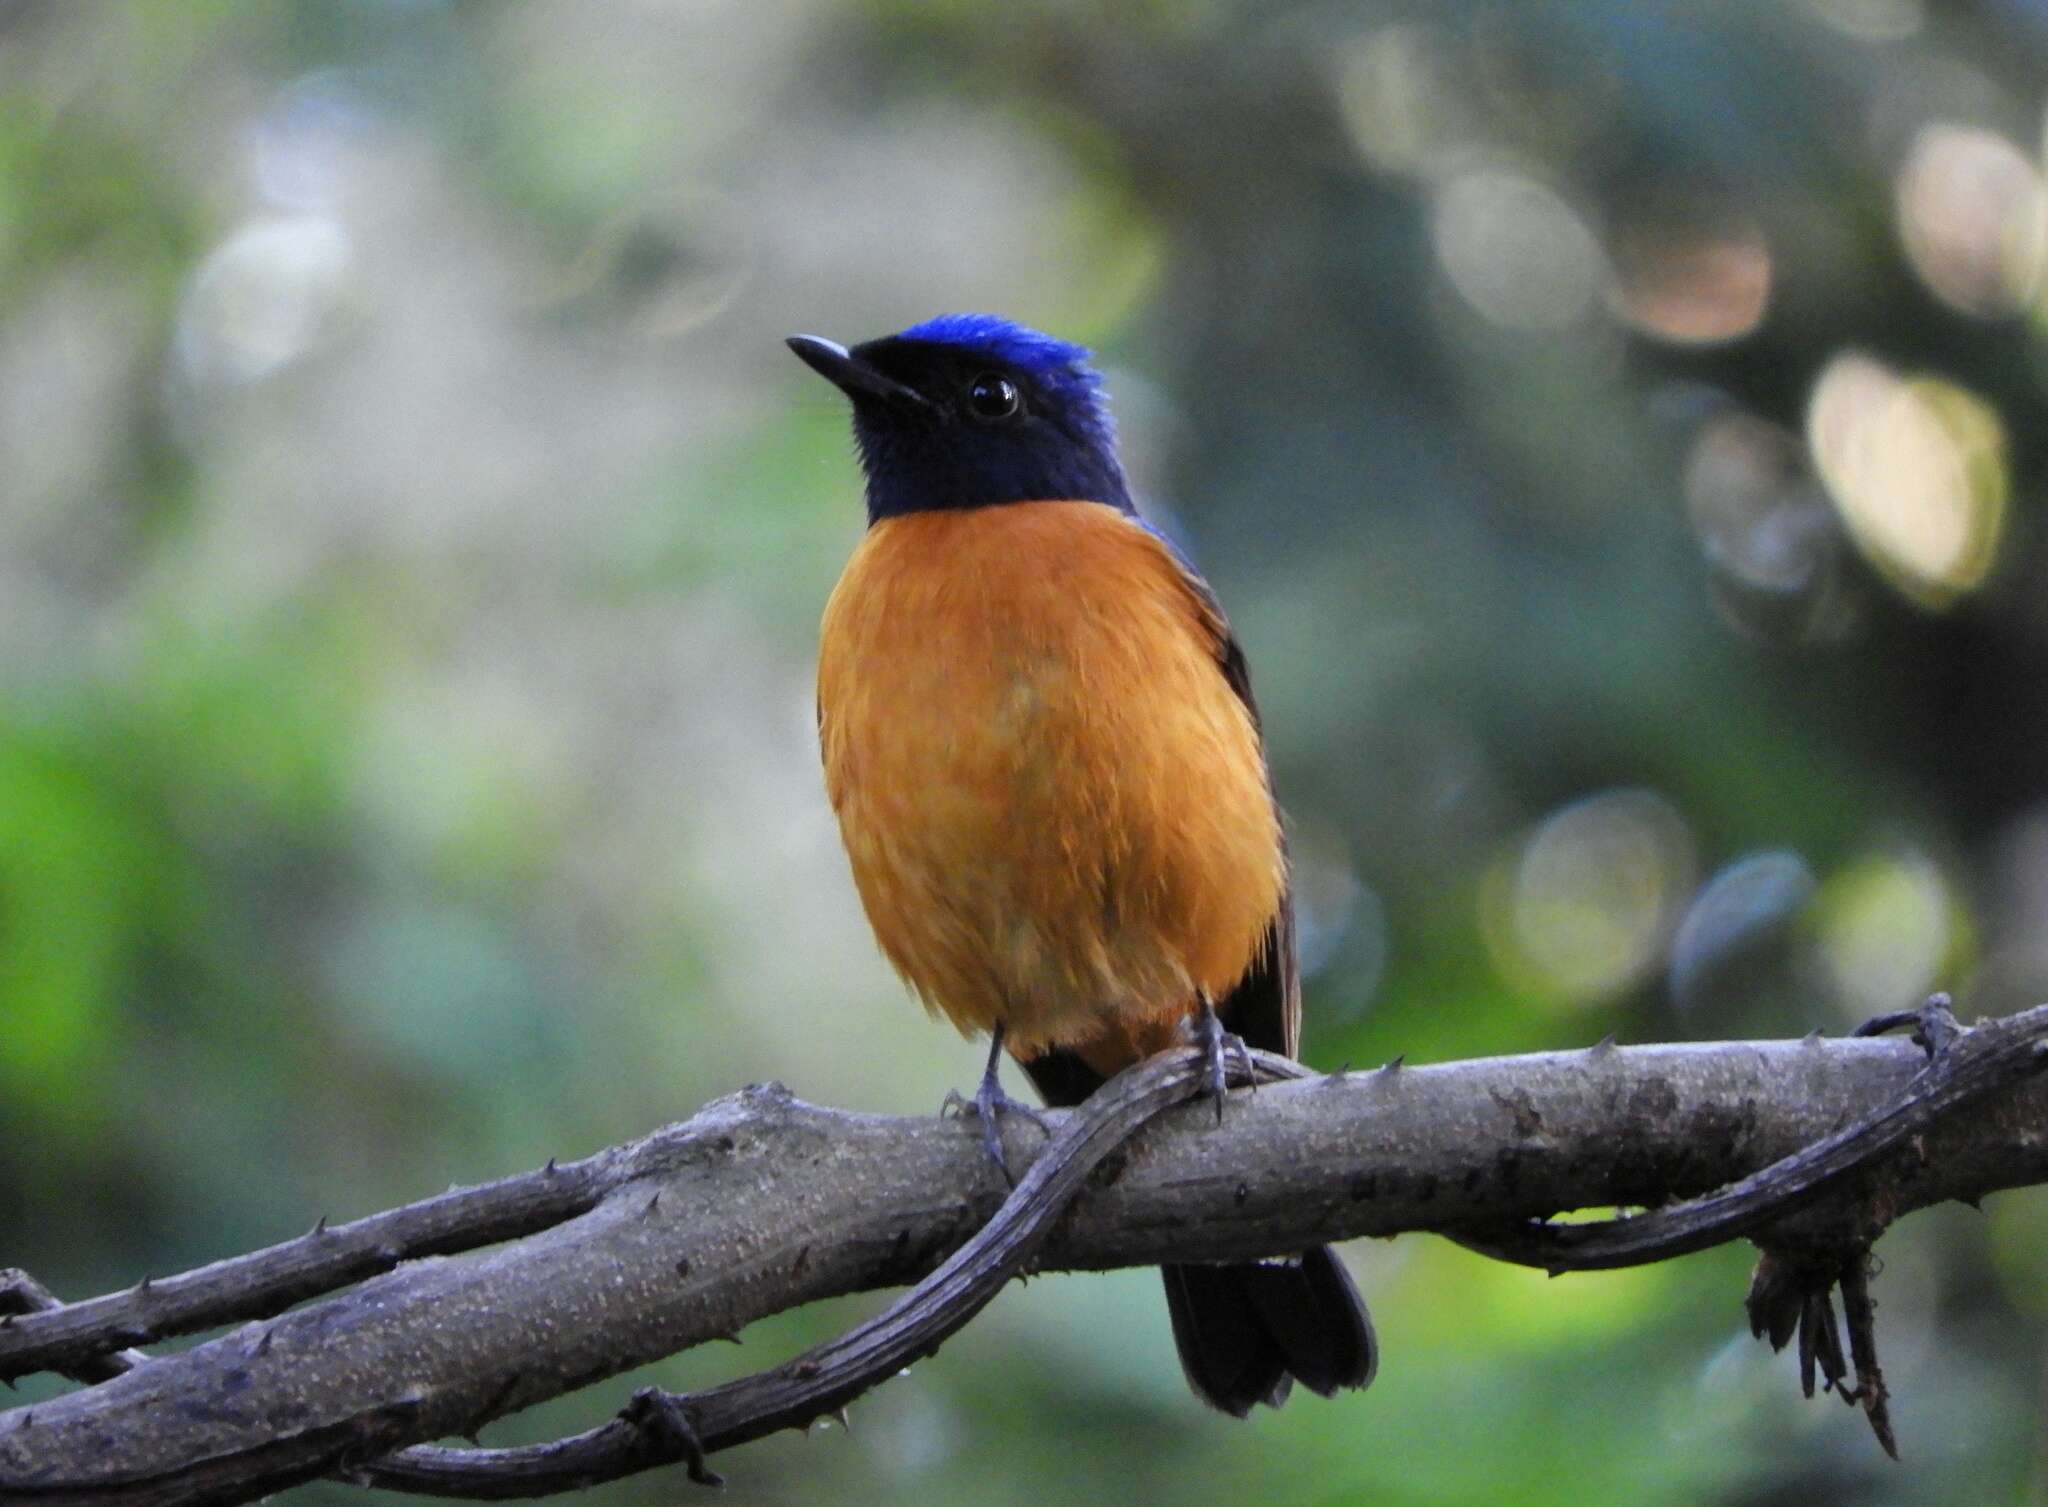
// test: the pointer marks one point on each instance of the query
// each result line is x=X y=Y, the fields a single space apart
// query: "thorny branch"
x=762 y=1202
x=1792 y=1289
x=325 y=1259
x=1952 y=1077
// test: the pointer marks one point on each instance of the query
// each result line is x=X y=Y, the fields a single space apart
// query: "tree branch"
x=1957 y=1072
x=324 y=1259
x=20 y=1293
x=762 y=1202
x=832 y=1375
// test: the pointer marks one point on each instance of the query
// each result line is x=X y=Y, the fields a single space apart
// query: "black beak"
x=851 y=375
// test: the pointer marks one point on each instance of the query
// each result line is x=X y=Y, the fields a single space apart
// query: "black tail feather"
x=1315 y=1315
x=1246 y=1333
x=1230 y=1360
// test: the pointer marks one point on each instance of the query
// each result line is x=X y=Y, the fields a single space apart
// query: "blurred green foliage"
x=1613 y=428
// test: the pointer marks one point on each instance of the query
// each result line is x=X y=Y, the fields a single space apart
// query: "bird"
x=1040 y=742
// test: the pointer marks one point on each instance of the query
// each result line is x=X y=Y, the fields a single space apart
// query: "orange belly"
x=1055 y=806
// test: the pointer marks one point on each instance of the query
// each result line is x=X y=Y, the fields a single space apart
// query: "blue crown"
x=1029 y=349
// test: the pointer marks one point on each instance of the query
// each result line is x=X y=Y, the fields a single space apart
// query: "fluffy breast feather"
x=1055 y=807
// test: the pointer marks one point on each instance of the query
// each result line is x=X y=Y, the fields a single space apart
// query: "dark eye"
x=992 y=397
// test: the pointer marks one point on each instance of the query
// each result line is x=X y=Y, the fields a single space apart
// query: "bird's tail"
x=1247 y=1333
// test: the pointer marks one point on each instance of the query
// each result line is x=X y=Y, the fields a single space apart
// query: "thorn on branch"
x=496 y=1405
x=1393 y=1065
x=1603 y=1046
x=319 y=1228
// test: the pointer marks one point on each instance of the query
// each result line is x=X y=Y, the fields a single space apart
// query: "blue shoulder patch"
x=1017 y=344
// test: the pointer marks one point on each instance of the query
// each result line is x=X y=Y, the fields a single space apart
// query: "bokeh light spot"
x=1765 y=528
x=301 y=147
x=263 y=297
x=1735 y=915
x=1392 y=88
x=1581 y=912
x=1691 y=279
x=1517 y=252
x=1917 y=470
x=1973 y=214
x=1887 y=927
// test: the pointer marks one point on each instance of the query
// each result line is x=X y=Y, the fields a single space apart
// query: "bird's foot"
x=1935 y=1027
x=1218 y=1047
x=990 y=1102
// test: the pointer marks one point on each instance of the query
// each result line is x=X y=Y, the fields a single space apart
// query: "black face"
x=943 y=424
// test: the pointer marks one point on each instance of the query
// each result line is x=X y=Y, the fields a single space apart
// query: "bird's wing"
x=1265 y=1007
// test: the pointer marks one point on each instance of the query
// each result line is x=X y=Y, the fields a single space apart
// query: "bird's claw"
x=1218 y=1046
x=987 y=1105
x=1242 y=1051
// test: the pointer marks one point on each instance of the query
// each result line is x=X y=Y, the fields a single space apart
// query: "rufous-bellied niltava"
x=1040 y=740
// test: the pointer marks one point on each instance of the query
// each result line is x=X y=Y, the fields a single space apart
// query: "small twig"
x=1870 y=1393
x=20 y=1293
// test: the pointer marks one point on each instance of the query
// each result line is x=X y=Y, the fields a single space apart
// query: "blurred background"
x=1613 y=427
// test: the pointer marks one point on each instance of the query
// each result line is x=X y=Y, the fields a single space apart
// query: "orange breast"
x=1055 y=806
